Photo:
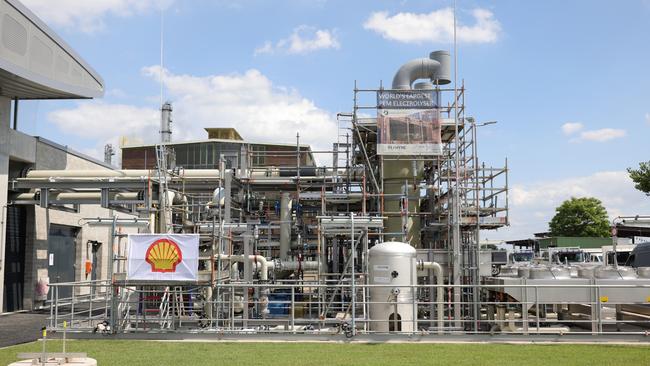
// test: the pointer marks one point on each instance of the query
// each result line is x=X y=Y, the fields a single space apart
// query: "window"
x=231 y=160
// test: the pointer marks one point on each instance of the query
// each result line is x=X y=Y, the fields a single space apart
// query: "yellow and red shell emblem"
x=164 y=255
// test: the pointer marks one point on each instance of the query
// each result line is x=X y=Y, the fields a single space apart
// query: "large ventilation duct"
x=401 y=176
x=435 y=68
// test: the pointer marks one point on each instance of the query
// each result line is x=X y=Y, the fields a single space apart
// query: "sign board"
x=407 y=99
x=409 y=132
x=163 y=257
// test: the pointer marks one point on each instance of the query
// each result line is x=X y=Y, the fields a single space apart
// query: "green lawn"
x=142 y=353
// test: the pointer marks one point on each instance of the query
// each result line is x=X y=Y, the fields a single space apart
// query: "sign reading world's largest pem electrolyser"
x=163 y=257
x=407 y=99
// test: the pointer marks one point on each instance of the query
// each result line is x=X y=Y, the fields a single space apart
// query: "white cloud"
x=647 y=118
x=303 y=39
x=532 y=206
x=570 y=128
x=435 y=27
x=602 y=135
x=97 y=119
x=88 y=15
x=248 y=102
x=116 y=93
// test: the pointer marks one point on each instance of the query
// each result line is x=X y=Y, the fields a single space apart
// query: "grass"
x=143 y=353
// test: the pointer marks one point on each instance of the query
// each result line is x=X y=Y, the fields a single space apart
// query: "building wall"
x=47 y=157
x=5 y=110
x=24 y=150
x=205 y=155
x=139 y=158
x=566 y=241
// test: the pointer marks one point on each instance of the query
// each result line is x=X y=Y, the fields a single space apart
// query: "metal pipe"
x=263 y=263
x=294 y=265
x=423 y=68
x=285 y=226
x=440 y=295
x=77 y=197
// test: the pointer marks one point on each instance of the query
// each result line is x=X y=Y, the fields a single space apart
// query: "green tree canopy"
x=584 y=216
x=641 y=177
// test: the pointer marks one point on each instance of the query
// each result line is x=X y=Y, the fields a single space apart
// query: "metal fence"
x=312 y=308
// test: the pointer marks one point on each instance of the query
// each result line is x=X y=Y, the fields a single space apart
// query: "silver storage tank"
x=611 y=273
x=509 y=270
x=393 y=265
x=643 y=272
x=548 y=273
x=523 y=271
x=586 y=270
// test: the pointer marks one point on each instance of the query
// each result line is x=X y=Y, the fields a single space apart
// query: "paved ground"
x=21 y=327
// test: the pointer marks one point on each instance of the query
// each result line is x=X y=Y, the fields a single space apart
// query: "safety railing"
x=79 y=303
x=313 y=308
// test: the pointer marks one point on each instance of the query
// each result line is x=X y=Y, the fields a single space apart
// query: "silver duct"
x=436 y=68
x=400 y=175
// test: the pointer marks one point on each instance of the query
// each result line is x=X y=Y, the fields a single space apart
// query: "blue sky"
x=567 y=81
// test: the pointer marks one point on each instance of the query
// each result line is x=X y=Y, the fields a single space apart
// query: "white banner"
x=163 y=257
x=409 y=132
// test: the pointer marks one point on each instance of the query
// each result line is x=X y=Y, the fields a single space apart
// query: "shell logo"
x=164 y=255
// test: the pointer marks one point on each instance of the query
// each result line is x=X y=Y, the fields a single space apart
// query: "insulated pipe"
x=234 y=270
x=255 y=259
x=187 y=173
x=182 y=173
x=295 y=265
x=79 y=197
x=440 y=291
x=87 y=173
x=285 y=226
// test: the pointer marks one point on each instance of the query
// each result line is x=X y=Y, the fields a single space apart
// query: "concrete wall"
x=49 y=157
x=19 y=147
x=5 y=111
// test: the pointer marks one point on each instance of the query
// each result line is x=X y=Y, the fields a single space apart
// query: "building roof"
x=302 y=146
x=223 y=133
x=629 y=228
x=35 y=63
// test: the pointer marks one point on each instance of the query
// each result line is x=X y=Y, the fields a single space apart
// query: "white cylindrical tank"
x=393 y=266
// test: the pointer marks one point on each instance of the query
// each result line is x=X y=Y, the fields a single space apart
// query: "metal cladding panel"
x=36 y=64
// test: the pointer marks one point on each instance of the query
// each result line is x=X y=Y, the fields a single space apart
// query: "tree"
x=584 y=216
x=641 y=177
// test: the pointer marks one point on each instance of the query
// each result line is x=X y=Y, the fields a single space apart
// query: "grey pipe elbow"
x=435 y=68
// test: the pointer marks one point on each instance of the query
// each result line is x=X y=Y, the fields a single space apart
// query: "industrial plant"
x=379 y=237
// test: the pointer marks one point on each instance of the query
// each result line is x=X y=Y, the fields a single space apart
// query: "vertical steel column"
x=248 y=276
x=457 y=279
x=111 y=262
x=354 y=292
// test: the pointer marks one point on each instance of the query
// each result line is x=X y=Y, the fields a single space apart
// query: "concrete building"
x=38 y=244
x=221 y=142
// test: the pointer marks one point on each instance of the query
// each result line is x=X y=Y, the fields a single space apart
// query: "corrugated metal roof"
x=35 y=63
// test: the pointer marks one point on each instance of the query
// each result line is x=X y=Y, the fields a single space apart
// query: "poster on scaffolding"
x=409 y=132
x=163 y=257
